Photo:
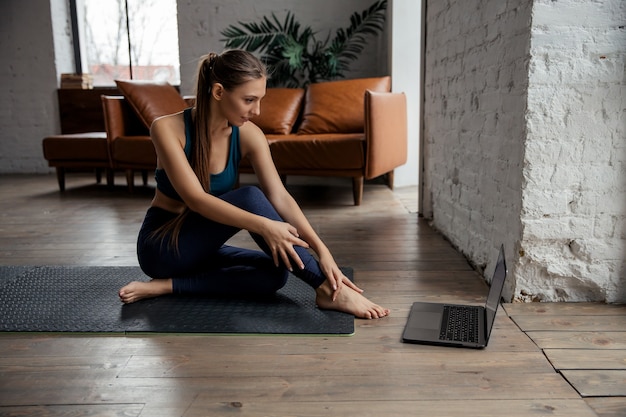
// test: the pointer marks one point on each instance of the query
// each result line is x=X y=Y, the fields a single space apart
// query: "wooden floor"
x=543 y=359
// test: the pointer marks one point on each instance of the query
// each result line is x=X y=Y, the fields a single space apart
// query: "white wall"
x=406 y=75
x=474 y=125
x=28 y=110
x=574 y=204
x=525 y=141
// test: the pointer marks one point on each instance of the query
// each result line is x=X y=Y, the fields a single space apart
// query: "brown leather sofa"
x=348 y=128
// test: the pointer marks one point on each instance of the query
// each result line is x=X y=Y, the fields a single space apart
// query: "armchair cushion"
x=337 y=106
x=151 y=99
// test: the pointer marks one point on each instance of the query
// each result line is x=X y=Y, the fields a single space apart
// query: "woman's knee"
x=252 y=199
x=251 y=191
x=247 y=193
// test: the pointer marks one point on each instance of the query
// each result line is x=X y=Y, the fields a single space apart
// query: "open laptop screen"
x=497 y=283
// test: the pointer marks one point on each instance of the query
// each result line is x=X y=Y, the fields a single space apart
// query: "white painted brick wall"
x=475 y=102
x=574 y=201
x=543 y=82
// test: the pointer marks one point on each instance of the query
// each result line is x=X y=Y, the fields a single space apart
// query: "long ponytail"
x=201 y=151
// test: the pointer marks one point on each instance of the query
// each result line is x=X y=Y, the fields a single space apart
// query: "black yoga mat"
x=83 y=299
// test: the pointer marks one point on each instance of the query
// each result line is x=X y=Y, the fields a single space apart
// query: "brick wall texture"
x=524 y=141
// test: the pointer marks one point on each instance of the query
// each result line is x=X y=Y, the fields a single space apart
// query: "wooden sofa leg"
x=390 y=179
x=144 y=177
x=130 y=180
x=61 y=178
x=357 y=190
x=98 y=175
x=110 y=177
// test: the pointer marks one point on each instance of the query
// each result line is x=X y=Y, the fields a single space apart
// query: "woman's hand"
x=335 y=277
x=281 y=238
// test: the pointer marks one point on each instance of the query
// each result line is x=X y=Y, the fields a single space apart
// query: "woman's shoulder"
x=169 y=119
x=168 y=123
x=251 y=139
x=170 y=127
x=250 y=130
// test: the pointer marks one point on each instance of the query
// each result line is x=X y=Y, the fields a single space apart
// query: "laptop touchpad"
x=425 y=320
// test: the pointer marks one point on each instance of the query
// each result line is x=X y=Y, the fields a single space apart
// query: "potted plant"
x=293 y=53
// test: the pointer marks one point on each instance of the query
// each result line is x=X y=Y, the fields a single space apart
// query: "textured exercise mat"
x=84 y=299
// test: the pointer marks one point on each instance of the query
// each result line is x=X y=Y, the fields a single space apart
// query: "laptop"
x=454 y=324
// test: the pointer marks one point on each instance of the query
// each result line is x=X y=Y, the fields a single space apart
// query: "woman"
x=195 y=210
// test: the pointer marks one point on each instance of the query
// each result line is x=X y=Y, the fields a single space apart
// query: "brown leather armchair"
x=129 y=142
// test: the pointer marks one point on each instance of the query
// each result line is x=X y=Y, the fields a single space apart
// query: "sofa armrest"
x=385 y=132
x=120 y=119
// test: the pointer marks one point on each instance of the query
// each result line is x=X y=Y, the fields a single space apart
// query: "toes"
x=378 y=312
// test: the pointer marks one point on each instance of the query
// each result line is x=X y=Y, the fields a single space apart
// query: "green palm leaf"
x=349 y=43
x=261 y=36
x=292 y=53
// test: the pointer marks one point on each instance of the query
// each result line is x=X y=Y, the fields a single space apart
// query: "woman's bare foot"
x=348 y=301
x=138 y=290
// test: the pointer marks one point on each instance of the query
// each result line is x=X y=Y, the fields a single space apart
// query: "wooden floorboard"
x=597 y=383
x=451 y=408
x=594 y=323
x=88 y=410
x=582 y=359
x=584 y=342
x=537 y=363
x=579 y=340
x=608 y=406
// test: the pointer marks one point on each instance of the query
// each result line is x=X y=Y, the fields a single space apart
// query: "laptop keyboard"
x=460 y=324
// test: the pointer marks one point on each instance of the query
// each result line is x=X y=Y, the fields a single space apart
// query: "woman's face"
x=242 y=103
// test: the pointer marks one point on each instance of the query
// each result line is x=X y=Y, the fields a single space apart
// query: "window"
x=129 y=39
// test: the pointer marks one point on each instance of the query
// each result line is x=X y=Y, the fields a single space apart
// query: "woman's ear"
x=217 y=91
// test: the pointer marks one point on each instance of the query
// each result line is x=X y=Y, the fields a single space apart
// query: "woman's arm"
x=255 y=147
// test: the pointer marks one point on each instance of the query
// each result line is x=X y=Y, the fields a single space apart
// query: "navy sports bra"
x=220 y=183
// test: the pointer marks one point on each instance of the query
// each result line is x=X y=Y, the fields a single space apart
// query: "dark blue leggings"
x=203 y=263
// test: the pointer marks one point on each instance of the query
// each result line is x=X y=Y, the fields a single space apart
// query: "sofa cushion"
x=151 y=99
x=331 y=152
x=134 y=150
x=90 y=146
x=280 y=109
x=337 y=106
